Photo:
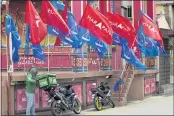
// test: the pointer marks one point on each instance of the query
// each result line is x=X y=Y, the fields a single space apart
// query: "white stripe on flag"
x=11 y=69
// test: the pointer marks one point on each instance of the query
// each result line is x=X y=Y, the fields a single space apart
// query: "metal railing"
x=66 y=61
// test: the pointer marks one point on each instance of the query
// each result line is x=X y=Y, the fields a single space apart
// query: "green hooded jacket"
x=30 y=82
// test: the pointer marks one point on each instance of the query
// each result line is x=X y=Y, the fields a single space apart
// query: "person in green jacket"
x=30 y=90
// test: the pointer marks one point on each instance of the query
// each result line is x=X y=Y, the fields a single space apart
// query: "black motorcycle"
x=102 y=97
x=64 y=99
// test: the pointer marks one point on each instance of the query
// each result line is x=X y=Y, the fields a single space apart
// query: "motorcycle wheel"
x=77 y=106
x=97 y=103
x=111 y=103
x=56 y=109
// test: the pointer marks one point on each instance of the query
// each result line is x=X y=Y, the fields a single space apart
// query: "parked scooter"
x=102 y=96
x=64 y=99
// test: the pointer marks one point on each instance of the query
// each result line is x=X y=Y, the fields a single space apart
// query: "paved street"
x=158 y=105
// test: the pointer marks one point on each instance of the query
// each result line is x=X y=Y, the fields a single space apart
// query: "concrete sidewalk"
x=155 y=105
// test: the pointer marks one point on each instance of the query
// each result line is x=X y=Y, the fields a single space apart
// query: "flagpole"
x=23 y=31
x=48 y=54
x=8 y=72
x=83 y=57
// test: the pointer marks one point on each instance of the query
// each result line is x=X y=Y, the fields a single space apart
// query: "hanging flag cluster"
x=51 y=17
x=124 y=35
x=35 y=32
x=149 y=39
x=94 y=29
x=37 y=49
x=70 y=20
x=37 y=27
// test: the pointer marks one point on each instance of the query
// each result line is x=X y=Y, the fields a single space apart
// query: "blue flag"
x=58 y=4
x=141 y=40
x=100 y=53
x=15 y=38
x=71 y=39
x=117 y=83
x=130 y=57
x=118 y=40
x=37 y=49
x=27 y=40
x=73 y=26
x=151 y=49
x=148 y=46
x=161 y=49
x=88 y=38
x=38 y=52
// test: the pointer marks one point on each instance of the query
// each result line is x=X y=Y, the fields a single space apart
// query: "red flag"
x=50 y=16
x=121 y=26
x=38 y=29
x=58 y=41
x=150 y=29
x=97 y=24
x=124 y=28
x=127 y=22
x=64 y=14
x=133 y=44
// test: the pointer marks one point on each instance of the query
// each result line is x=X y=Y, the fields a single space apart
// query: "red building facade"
x=61 y=58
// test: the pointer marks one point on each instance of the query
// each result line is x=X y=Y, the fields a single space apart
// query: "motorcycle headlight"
x=59 y=101
x=93 y=95
x=49 y=101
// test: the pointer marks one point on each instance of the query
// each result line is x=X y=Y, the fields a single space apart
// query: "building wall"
x=165 y=13
x=136 y=91
x=59 y=58
x=166 y=9
x=77 y=8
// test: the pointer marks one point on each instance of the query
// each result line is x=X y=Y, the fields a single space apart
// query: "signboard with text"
x=93 y=61
x=55 y=61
